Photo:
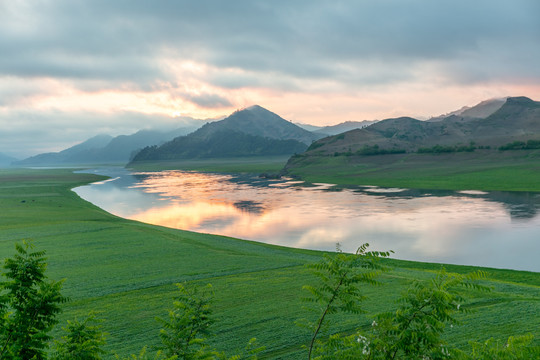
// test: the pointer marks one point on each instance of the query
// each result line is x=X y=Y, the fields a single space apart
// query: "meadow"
x=479 y=170
x=126 y=271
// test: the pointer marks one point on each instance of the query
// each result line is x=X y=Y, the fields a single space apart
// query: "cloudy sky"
x=71 y=69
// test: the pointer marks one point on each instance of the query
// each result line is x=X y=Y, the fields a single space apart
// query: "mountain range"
x=517 y=119
x=104 y=149
x=253 y=131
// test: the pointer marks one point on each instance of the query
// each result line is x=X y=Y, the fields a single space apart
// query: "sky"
x=71 y=69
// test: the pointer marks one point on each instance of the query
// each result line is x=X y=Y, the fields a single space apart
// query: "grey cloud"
x=210 y=101
x=120 y=41
x=300 y=46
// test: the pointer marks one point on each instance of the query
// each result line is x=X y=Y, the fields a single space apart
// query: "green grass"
x=126 y=270
x=256 y=164
x=481 y=170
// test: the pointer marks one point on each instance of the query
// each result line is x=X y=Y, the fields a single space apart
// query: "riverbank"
x=480 y=170
x=487 y=170
x=255 y=164
x=125 y=270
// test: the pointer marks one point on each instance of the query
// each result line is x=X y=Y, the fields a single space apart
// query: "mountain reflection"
x=249 y=206
x=519 y=205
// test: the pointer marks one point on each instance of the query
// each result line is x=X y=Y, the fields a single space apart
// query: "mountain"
x=6 y=160
x=344 y=127
x=481 y=110
x=258 y=121
x=518 y=119
x=122 y=148
x=65 y=156
x=104 y=149
x=252 y=131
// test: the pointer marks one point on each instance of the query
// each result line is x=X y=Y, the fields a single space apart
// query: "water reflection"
x=489 y=229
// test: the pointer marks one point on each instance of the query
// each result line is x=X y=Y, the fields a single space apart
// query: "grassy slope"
x=480 y=170
x=125 y=270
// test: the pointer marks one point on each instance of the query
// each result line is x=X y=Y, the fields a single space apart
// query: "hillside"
x=518 y=119
x=104 y=149
x=219 y=144
x=454 y=153
x=253 y=131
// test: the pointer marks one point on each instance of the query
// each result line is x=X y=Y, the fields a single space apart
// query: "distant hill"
x=104 y=149
x=6 y=160
x=309 y=127
x=67 y=155
x=249 y=132
x=481 y=110
x=518 y=119
x=344 y=127
x=122 y=148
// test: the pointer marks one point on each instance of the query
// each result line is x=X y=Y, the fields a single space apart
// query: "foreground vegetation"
x=125 y=271
x=30 y=303
x=480 y=170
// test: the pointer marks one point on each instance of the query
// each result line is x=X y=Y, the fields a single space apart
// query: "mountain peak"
x=255 y=107
x=258 y=111
x=256 y=120
x=520 y=100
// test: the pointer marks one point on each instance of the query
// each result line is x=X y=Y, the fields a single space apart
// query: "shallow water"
x=495 y=229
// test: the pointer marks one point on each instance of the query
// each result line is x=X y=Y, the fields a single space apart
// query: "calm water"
x=493 y=229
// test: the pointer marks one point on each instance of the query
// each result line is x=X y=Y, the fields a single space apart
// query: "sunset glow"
x=337 y=62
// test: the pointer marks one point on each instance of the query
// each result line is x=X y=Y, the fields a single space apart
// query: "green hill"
x=454 y=153
x=219 y=144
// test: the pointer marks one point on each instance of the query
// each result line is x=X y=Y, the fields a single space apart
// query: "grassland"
x=256 y=164
x=125 y=270
x=481 y=170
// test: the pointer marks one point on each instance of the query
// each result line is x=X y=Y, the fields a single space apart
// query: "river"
x=492 y=229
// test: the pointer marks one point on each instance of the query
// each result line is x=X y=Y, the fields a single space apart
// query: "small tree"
x=28 y=305
x=340 y=276
x=185 y=332
x=416 y=327
x=414 y=330
x=83 y=341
